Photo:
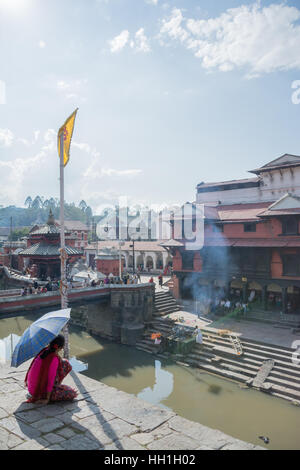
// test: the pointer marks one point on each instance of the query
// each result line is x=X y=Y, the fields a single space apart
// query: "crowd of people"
x=36 y=288
x=221 y=304
x=90 y=281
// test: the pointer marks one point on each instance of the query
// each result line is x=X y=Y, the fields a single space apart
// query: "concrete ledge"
x=13 y=304
x=102 y=417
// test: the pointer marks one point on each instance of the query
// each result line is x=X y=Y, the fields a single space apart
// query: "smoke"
x=218 y=264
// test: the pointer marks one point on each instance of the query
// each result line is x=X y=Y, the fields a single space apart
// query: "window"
x=188 y=260
x=290 y=265
x=290 y=226
x=250 y=227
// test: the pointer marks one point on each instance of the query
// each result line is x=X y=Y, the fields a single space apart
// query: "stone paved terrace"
x=101 y=418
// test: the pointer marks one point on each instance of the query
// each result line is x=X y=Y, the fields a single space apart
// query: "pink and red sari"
x=46 y=375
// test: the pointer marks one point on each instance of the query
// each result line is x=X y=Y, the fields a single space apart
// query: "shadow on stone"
x=53 y=426
x=92 y=404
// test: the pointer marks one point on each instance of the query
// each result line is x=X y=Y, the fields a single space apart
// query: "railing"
x=10 y=292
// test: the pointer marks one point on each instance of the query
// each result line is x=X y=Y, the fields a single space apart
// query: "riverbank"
x=102 y=417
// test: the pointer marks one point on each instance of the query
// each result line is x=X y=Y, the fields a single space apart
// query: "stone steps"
x=282 y=381
x=283 y=356
x=276 y=372
x=257 y=360
x=164 y=304
x=243 y=377
x=167 y=309
x=224 y=373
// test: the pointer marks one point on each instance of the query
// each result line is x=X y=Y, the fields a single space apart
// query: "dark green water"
x=207 y=399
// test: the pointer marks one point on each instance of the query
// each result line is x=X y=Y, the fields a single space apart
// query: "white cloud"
x=141 y=43
x=33 y=162
x=152 y=2
x=72 y=89
x=173 y=28
x=260 y=39
x=96 y=170
x=119 y=42
x=6 y=138
x=27 y=142
x=81 y=146
x=17 y=175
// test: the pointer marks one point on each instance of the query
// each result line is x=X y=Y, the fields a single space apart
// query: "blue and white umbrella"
x=39 y=335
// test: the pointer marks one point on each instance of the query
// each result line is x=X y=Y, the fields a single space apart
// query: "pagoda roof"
x=46 y=230
x=43 y=249
x=49 y=228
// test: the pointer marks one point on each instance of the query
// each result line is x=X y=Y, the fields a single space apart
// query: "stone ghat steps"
x=166 y=310
x=163 y=326
x=161 y=299
x=283 y=380
x=144 y=348
x=248 y=342
x=242 y=375
x=277 y=372
x=285 y=366
x=275 y=378
x=164 y=304
x=252 y=349
x=215 y=370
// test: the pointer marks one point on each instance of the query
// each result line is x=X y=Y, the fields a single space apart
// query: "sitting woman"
x=46 y=373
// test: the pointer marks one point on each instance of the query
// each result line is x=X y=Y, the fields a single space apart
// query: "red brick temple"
x=42 y=255
x=107 y=262
x=251 y=240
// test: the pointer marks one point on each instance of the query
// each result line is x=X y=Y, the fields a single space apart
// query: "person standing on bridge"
x=46 y=373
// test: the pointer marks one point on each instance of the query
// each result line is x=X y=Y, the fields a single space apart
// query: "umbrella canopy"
x=39 y=335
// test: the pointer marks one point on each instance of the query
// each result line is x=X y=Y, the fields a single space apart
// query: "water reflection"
x=78 y=366
x=162 y=389
x=7 y=346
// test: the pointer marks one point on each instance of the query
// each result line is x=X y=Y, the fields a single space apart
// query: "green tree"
x=37 y=203
x=17 y=234
x=82 y=205
x=28 y=202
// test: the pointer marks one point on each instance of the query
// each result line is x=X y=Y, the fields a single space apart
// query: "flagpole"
x=63 y=255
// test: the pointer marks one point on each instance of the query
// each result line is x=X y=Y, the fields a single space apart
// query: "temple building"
x=79 y=230
x=108 y=262
x=147 y=256
x=251 y=248
x=42 y=256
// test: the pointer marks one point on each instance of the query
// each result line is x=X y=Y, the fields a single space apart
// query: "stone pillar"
x=144 y=260
x=126 y=256
x=284 y=299
x=165 y=257
x=264 y=297
x=245 y=288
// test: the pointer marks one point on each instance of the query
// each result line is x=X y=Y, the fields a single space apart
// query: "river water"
x=207 y=399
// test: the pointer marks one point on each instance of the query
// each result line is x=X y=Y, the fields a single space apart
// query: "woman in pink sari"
x=46 y=373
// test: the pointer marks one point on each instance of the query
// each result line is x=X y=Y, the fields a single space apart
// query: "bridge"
x=118 y=312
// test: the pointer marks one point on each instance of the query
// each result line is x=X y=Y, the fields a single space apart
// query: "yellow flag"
x=67 y=130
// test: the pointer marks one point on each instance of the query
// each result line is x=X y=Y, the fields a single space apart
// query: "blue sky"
x=170 y=93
